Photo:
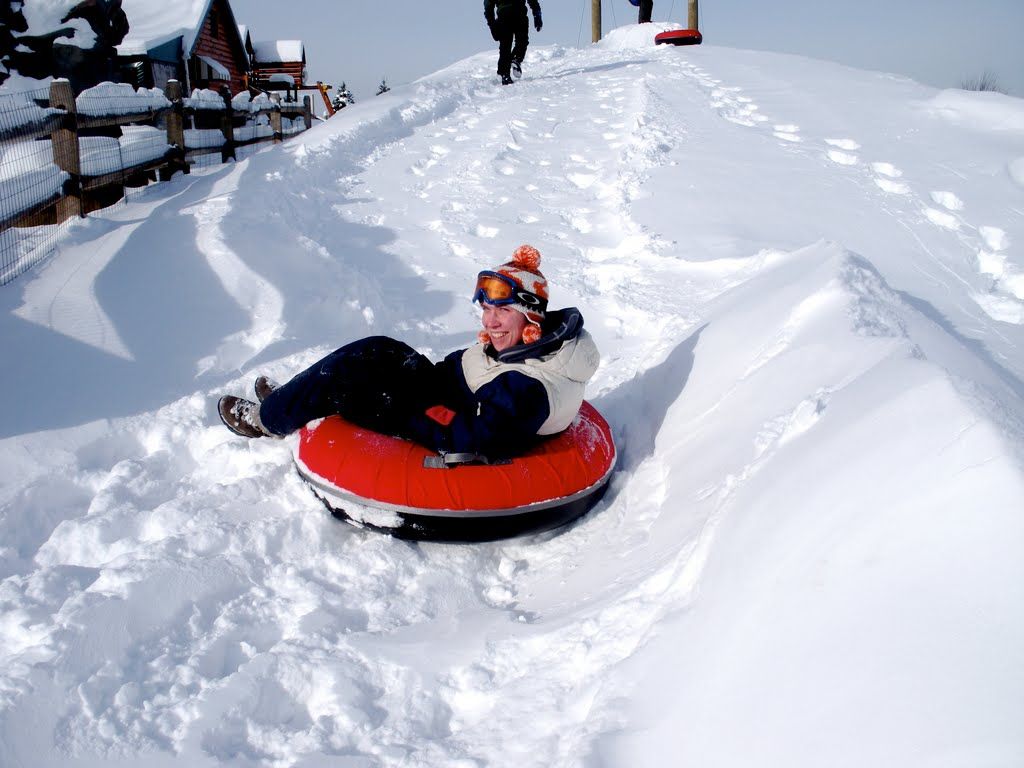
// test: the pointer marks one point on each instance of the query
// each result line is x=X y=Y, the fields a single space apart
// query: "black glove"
x=537 y=22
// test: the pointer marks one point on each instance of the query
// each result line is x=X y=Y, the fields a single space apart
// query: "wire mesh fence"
x=30 y=182
x=63 y=156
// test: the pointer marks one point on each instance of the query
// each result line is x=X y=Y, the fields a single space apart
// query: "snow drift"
x=805 y=281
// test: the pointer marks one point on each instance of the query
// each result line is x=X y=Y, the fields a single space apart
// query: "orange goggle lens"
x=491 y=288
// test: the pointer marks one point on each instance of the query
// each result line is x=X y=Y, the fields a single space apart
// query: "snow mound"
x=983 y=111
x=634 y=36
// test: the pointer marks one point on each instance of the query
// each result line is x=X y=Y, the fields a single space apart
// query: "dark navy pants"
x=513 y=39
x=377 y=383
x=646 y=6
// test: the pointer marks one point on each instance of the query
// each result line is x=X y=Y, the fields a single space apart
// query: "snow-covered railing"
x=119 y=103
x=241 y=121
x=21 y=117
x=62 y=155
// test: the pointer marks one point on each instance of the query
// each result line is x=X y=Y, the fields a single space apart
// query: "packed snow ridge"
x=807 y=285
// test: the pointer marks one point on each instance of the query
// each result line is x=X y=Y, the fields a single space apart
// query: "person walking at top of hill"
x=523 y=380
x=646 y=8
x=510 y=26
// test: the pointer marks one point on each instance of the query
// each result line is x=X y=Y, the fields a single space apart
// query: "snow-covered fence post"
x=275 y=122
x=66 y=154
x=307 y=112
x=175 y=130
x=227 y=126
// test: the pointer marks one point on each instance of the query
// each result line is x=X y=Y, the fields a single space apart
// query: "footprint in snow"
x=1013 y=284
x=947 y=200
x=421 y=167
x=787 y=133
x=886 y=176
x=582 y=180
x=995 y=238
x=1002 y=308
x=1005 y=299
x=942 y=219
x=579 y=221
x=738 y=119
x=848 y=145
x=841 y=151
x=841 y=158
x=993 y=262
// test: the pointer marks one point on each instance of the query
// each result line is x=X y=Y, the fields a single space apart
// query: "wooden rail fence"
x=75 y=186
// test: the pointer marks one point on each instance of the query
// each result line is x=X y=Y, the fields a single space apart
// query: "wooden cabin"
x=197 y=43
x=250 y=50
x=280 y=65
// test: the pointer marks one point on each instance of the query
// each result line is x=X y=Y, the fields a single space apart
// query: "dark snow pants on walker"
x=513 y=39
x=377 y=383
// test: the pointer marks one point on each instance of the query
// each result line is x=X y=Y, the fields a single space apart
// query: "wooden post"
x=691 y=17
x=66 y=154
x=307 y=112
x=227 y=126
x=175 y=130
x=275 y=122
x=595 y=20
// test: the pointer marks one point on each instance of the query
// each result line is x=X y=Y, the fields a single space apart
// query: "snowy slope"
x=806 y=283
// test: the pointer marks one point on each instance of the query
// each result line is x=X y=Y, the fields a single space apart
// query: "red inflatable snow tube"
x=679 y=37
x=401 y=488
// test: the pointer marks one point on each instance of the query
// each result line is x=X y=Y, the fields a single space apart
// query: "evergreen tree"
x=11 y=20
x=107 y=20
x=383 y=87
x=51 y=52
x=342 y=98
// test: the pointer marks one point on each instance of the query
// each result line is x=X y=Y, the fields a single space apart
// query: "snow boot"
x=242 y=417
x=506 y=80
x=517 y=69
x=264 y=387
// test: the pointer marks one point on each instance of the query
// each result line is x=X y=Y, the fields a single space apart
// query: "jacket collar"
x=559 y=327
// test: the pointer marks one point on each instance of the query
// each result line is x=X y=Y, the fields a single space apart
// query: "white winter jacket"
x=564 y=374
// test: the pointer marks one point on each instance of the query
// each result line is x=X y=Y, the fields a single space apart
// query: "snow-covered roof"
x=152 y=23
x=279 y=50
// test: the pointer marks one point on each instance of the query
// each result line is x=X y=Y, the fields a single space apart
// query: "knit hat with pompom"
x=524 y=271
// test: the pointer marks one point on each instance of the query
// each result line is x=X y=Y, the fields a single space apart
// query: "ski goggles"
x=500 y=290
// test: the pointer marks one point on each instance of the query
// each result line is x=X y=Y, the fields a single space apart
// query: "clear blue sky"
x=938 y=42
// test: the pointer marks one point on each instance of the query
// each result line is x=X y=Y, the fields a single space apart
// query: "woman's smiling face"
x=504 y=325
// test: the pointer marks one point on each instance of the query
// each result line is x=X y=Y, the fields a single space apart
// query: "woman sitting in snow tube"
x=504 y=397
